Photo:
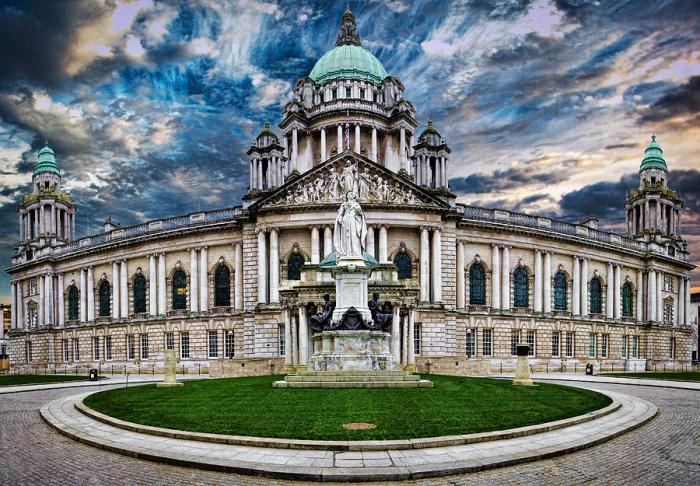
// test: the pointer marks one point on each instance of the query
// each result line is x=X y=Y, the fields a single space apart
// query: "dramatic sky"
x=150 y=105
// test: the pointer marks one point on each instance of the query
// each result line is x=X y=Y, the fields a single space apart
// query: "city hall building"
x=233 y=289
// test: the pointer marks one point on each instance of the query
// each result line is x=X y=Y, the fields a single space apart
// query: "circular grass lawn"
x=252 y=407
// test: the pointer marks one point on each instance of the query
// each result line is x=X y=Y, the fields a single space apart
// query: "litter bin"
x=589 y=369
x=93 y=374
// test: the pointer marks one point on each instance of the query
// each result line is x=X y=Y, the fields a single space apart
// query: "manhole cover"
x=359 y=426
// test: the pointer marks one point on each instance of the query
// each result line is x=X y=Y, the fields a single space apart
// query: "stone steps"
x=353 y=384
x=353 y=379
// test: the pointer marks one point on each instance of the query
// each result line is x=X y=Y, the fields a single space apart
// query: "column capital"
x=260 y=229
x=273 y=229
x=424 y=228
x=316 y=227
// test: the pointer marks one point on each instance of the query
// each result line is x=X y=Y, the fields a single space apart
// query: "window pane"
x=73 y=303
x=228 y=344
x=184 y=345
x=555 y=344
x=140 y=294
x=179 y=290
x=487 y=342
x=596 y=300
x=105 y=294
x=213 y=344
x=477 y=285
x=520 y=281
x=560 y=291
x=222 y=287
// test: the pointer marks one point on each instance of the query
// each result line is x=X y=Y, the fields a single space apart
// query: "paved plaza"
x=666 y=450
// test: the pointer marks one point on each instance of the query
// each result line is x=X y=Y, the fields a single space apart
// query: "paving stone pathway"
x=666 y=450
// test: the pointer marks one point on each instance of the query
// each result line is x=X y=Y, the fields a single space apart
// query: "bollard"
x=154 y=369
x=183 y=369
x=199 y=368
x=76 y=370
x=547 y=365
x=654 y=367
x=112 y=369
x=501 y=367
x=575 y=367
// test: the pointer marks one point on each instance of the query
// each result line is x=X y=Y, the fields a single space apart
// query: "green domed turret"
x=46 y=161
x=348 y=59
x=653 y=156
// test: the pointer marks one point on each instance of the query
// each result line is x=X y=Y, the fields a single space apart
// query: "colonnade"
x=267 y=172
x=662 y=216
x=424 y=174
x=46 y=219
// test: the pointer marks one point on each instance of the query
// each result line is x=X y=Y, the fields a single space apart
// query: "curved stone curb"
x=349 y=445
x=320 y=465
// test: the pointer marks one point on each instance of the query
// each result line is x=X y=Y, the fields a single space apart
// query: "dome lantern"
x=46 y=161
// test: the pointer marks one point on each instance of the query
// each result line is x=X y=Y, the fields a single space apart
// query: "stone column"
x=438 y=173
x=19 y=308
x=83 y=295
x=327 y=240
x=617 y=301
x=260 y=178
x=287 y=339
x=194 y=281
x=402 y=148
x=262 y=266
x=357 y=138
x=640 y=292
x=340 y=138
x=396 y=333
x=404 y=343
x=681 y=301
x=203 y=280
x=124 y=290
x=60 y=303
x=383 y=244
x=505 y=279
x=152 y=286
x=238 y=276
x=659 y=300
x=72 y=234
x=687 y=306
x=374 y=144
x=275 y=266
x=444 y=172
x=610 y=292
x=651 y=295
x=115 y=290
x=424 y=265
x=253 y=172
x=584 y=286
x=370 y=241
x=13 y=307
x=90 y=295
x=315 y=251
x=538 y=281
x=576 y=297
x=416 y=174
x=303 y=338
x=495 y=278
x=50 y=296
x=437 y=265
x=295 y=150
x=411 y=358
x=162 y=303
x=53 y=230
x=460 y=275
x=323 y=144
x=547 y=283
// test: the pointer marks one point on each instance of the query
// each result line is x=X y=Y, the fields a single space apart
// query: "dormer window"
x=671 y=251
x=348 y=92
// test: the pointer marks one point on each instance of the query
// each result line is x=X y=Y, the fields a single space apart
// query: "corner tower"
x=46 y=215
x=653 y=211
x=431 y=155
x=267 y=163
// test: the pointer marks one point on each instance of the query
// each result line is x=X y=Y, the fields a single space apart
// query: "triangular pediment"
x=323 y=185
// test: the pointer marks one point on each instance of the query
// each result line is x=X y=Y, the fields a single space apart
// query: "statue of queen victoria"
x=350 y=228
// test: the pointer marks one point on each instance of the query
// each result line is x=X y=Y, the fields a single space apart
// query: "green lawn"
x=251 y=406
x=6 y=380
x=682 y=376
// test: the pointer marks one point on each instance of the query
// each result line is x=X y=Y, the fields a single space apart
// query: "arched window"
x=521 y=287
x=140 y=294
x=627 y=299
x=294 y=264
x=404 y=267
x=179 y=290
x=222 y=287
x=105 y=290
x=560 y=291
x=596 y=297
x=73 y=303
x=477 y=284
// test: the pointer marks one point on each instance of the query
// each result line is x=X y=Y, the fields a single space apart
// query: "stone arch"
x=522 y=279
x=410 y=259
x=476 y=282
x=140 y=292
x=294 y=267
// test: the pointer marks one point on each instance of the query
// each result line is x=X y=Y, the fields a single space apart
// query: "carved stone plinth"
x=352 y=351
x=169 y=364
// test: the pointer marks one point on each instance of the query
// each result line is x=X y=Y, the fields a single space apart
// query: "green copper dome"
x=653 y=156
x=46 y=161
x=348 y=59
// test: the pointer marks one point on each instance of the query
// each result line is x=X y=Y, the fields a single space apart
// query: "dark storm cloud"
x=602 y=199
x=679 y=100
x=527 y=174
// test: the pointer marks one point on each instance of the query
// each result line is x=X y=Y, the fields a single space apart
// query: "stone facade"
x=231 y=290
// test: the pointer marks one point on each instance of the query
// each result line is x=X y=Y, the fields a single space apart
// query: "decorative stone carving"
x=322 y=321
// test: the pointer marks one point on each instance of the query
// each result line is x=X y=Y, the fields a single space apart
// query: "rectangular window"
x=635 y=346
x=30 y=357
x=95 y=348
x=321 y=98
x=282 y=342
x=213 y=344
x=672 y=348
x=66 y=350
x=144 y=346
x=668 y=283
x=362 y=93
x=76 y=349
x=487 y=341
x=108 y=347
x=471 y=343
x=228 y=344
x=514 y=341
x=416 y=338
x=623 y=347
x=334 y=93
x=668 y=312
x=185 y=345
x=130 y=347
x=33 y=316
x=556 y=346
x=591 y=345
x=531 y=342
x=169 y=340
x=569 y=344
x=604 y=345
x=32 y=288
x=348 y=92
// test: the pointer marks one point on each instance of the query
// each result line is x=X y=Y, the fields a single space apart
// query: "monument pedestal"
x=522 y=367
x=352 y=351
x=169 y=364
